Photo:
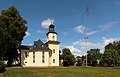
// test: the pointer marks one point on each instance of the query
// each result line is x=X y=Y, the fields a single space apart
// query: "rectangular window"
x=53 y=60
x=53 y=38
x=53 y=50
x=33 y=56
x=26 y=54
x=43 y=57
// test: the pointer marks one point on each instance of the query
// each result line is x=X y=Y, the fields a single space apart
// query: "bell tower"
x=53 y=44
x=51 y=35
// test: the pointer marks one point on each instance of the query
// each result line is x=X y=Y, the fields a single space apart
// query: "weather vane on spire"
x=52 y=20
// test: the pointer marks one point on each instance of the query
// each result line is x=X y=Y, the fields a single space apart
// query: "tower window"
x=42 y=45
x=51 y=29
x=53 y=38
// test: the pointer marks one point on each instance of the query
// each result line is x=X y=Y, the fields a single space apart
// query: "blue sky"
x=102 y=23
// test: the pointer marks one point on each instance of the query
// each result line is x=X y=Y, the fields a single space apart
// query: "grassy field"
x=62 y=72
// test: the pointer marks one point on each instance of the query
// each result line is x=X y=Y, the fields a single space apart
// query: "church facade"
x=42 y=54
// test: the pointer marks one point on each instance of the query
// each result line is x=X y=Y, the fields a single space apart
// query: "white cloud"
x=109 y=25
x=83 y=43
x=47 y=22
x=39 y=31
x=82 y=50
x=109 y=40
x=100 y=44
x=74 y=50
x=80 y=29
x=92 y=32
x=27 y=34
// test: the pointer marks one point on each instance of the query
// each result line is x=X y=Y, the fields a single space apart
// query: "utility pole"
x=86 y=48
x=86 y=12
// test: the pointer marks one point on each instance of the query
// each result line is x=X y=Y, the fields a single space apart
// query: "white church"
x=42 y=54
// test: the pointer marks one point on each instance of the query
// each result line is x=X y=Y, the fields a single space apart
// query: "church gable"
x=38 y=43
x=38 y=46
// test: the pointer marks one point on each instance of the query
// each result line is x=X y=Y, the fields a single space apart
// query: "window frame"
x=53 y=60
x=33 y=56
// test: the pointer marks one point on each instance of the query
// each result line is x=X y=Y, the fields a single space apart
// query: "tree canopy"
x=93 y=55
x=68 y=57
x=12 y=31
x=111 y=55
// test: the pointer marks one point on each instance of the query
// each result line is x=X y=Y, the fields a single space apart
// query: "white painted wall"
x=50 y=37
x=54 y=55
x=38 y=59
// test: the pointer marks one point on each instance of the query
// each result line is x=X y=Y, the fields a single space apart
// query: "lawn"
x=62 y=72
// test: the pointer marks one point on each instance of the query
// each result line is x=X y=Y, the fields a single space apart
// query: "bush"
x=79 y=63
x=2 y=66
x=94 y=63
x=65 y=64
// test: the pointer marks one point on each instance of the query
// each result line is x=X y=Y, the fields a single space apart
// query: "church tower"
x=53 y=44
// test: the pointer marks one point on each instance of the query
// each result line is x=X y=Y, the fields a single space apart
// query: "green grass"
x=62 y=72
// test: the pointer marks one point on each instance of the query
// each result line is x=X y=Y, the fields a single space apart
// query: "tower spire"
x=52 y=21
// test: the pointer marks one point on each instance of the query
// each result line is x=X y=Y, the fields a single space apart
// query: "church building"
x=42 y=54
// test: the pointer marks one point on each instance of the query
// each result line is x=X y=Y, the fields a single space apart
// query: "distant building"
x=42 y=54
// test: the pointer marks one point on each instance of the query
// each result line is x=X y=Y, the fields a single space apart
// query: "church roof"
x=39 y=49
x=51 y=26
x=51 y=32
x=38 y=45
x=51 y=29
x=25 y=47
x=52 y=42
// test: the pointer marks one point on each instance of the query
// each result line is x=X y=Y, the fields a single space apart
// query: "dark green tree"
x=60 y=56
x=111 y=56
x=83 y=59
x=93 y=55
x=12 y=31
x=78 y=61
x=68 y=57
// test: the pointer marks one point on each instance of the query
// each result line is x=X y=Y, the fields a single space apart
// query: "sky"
x=99 y=20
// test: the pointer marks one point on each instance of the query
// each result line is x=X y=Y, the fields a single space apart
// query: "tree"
x=68 y=58
x=78 y=61
x=2 y=66
x=60 y=56
x=12 y=31
x=111 y=55
x=93 y=55
x=83 y=59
